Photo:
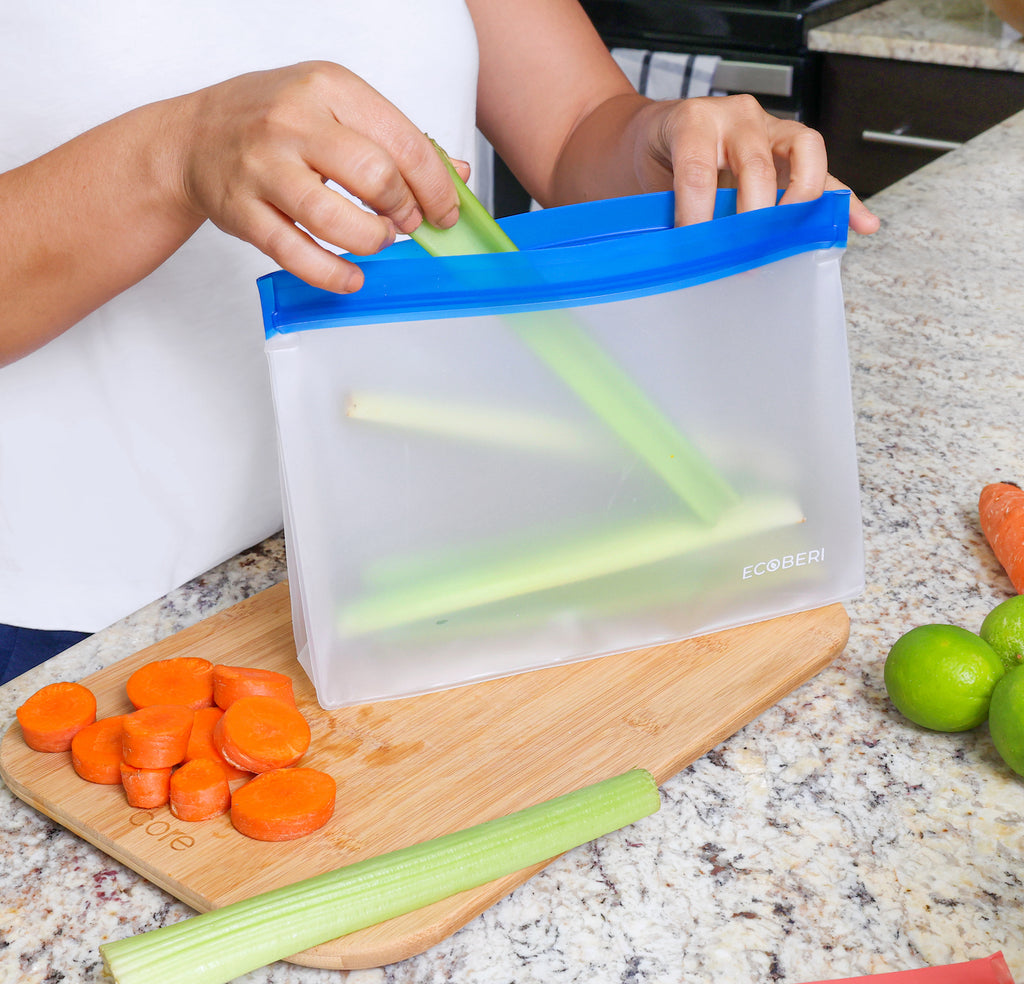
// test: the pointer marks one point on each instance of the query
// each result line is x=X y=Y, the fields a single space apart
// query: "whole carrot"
x=1001 y=514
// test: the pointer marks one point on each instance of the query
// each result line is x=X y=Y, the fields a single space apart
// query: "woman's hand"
x=259 y=150
x=253 y=155
x=573 y=128
x=696 y=145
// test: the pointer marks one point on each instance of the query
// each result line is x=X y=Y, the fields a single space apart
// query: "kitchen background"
x=890 y=85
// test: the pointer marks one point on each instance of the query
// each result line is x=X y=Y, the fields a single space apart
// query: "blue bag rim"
x=569 y=256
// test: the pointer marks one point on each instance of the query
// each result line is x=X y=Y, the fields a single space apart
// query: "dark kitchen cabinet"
x=882 y=119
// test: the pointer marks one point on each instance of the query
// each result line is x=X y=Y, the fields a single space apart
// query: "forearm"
x=87 y=220
x=606 y=155
x=549 y=97
x=571 y=127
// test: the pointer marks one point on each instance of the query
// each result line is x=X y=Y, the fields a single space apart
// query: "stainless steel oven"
x=762 y=43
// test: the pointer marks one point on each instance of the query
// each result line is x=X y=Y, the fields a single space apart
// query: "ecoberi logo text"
x=776 y=564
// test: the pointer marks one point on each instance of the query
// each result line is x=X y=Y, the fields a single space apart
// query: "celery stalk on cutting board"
x=218 y=946
x=557 y=339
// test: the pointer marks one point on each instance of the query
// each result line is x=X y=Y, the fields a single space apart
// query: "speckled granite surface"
x=827 y=839
x=964 y=33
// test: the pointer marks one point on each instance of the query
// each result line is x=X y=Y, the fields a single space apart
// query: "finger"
x=375 y=152
x=462 y=167
x=862 y=219
x=693 y=144
x=300 y=194
x=365 y=170
x=425 y=172
x=748 y=153
x=293 y=250
x=802 y=155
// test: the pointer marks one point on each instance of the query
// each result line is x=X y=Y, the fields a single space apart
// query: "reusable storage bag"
x=623 y=434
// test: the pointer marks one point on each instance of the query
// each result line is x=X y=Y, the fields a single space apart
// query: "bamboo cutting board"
x=415 y=768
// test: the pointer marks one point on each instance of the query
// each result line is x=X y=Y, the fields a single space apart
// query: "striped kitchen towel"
x=666 y=74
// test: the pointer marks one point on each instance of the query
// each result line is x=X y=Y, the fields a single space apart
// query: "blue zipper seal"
x=569 y=256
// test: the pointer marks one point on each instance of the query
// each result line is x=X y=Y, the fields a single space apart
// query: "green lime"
x=1003 y=630
x=1006 y=718
x=941 y=677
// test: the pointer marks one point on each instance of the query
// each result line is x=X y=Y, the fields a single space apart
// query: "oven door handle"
x=757 y=78
x=896 y=139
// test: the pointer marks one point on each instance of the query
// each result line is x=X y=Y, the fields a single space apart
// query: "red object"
x=987 y=970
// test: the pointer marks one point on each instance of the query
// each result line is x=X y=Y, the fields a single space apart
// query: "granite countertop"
x=963 y=33
x=827 y=839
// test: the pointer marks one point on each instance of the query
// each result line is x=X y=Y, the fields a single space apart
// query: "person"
x=156 y=159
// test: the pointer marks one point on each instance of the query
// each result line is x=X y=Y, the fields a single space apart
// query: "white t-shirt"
x=138 y=450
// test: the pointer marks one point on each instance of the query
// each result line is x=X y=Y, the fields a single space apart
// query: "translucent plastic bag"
x=622 y=435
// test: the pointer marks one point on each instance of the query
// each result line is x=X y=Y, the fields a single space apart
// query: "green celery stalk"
x=475 y=232
x=439 y=590
x=218 y=946
x=471 y=421
x=556 y=338
x=626 y=410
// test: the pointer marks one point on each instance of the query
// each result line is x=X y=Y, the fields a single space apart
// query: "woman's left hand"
x=696 y=145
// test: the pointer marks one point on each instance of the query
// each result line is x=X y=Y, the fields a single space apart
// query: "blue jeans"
x=21 y=649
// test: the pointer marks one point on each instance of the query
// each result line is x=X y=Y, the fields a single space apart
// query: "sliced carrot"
x=96 y=750
x=232 y=682
x=53 y=715
x=201 y=744
x=261 y=733
x=146 y=789
x=156 y=737
x=1001 y=513
x=283 y=804
x=184 y=680
x=199 y=791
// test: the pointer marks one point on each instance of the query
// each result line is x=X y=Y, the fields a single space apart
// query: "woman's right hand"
x=258 y=150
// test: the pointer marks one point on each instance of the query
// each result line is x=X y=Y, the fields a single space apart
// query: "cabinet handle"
x=905 y=140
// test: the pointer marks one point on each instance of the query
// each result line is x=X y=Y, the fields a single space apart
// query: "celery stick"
x=567 y=350
x=475 y=232
x=473 y=422
x=613 y=396
x=221 y=945
x=549 y=565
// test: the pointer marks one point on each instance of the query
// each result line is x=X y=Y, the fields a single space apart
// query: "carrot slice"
x=201 y=744
x=96 y=750
x=184 y=680
x=232 y=682
x=1001 y=514
x=54 y=714
x=199 y=791
x=146 y=789
x=261 y=733
x=283 y=804
x=156 y=737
